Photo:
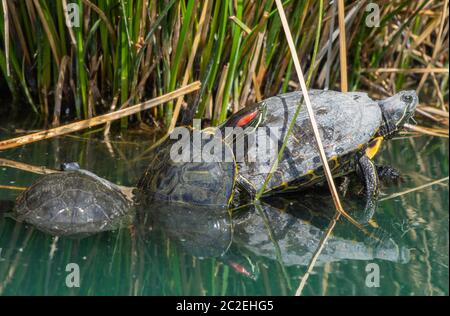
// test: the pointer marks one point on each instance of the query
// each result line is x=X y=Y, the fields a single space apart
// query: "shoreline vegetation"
x=125 y=52
x=129 y=60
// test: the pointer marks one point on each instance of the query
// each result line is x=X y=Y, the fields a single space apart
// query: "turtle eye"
x=407 y=98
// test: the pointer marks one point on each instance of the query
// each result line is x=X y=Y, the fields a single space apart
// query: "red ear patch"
x=244 y=120
x=239 y=269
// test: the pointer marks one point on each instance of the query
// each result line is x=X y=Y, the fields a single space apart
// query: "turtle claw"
x=366 y=215
x=388 y=174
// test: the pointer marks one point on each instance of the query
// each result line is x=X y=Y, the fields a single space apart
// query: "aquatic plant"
x=122 y=52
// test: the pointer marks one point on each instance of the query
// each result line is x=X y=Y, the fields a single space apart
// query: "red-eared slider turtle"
x=194 y=167
x=73 y=202
x=351 y=126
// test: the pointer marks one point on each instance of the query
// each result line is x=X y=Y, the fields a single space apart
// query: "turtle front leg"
x=368 y=173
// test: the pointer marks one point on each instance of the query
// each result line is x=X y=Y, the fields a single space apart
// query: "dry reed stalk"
x=73 y=41
x=407 y=71
x=342 y=46
x=197 y=37
x=322 y=154
x=251 y=71
x=25 y=167
x=426 y=185
x=58 y=93
x=307 y=101
x=12 y=187
x=6 y=27
x=317 y=253
x=424 y=130
x=73 y=127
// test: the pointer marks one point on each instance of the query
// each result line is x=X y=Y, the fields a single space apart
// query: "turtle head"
x=68 y=166
x=397 y=111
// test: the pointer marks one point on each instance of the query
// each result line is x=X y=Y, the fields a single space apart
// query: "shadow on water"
x=258 y=250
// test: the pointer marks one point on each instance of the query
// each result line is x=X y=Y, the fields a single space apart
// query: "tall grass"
x=138 y=49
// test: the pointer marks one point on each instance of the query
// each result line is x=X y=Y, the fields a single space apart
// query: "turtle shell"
x=71 y=203
x=194 y=179
x=346 y=122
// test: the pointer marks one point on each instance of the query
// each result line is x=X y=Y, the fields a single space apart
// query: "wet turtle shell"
x=72 y=202
x=347 y=123
x=193 y=180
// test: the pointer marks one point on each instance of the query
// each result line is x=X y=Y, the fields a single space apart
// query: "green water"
x=146 y=260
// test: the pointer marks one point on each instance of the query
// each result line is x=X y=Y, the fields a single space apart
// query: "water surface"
x=151 y=259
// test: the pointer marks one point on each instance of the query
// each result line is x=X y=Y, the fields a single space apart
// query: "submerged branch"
x=426 y=185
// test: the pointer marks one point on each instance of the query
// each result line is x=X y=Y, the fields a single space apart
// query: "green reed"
x=134 y=50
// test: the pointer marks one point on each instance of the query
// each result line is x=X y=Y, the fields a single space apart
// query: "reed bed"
x=135 y=50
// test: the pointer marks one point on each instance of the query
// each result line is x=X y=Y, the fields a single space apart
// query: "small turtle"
x=73 y=202
x=351 y=125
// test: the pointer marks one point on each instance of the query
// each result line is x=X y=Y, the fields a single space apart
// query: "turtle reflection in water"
x=201 y=231
x=298 y=238
x=294 y=225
